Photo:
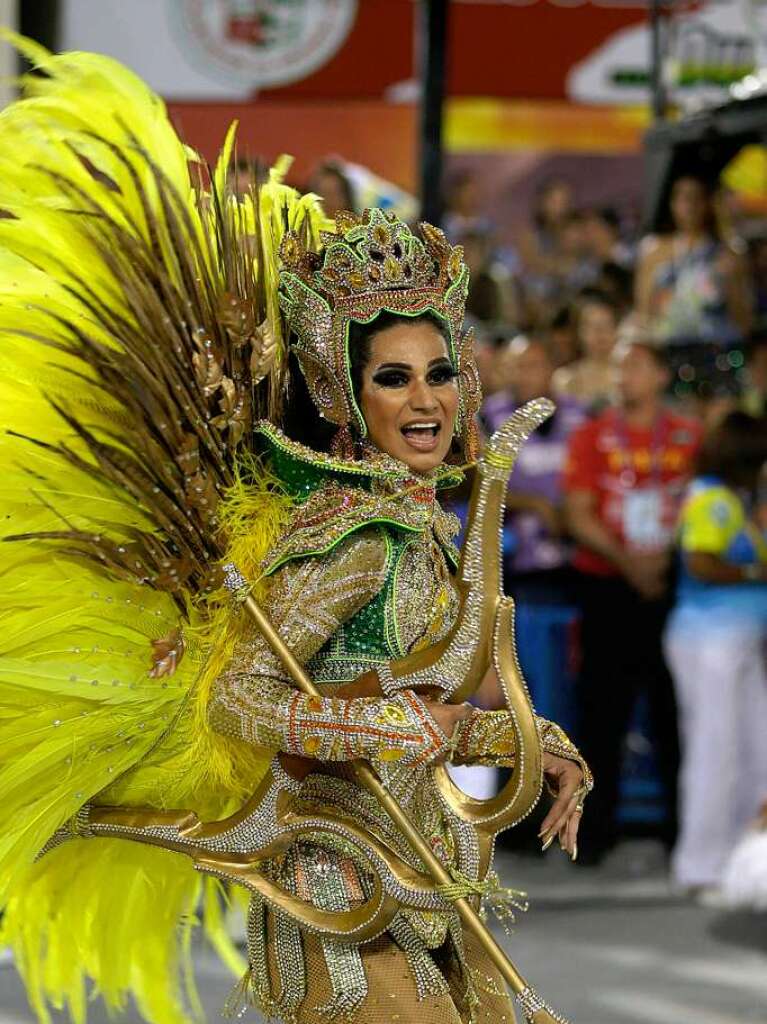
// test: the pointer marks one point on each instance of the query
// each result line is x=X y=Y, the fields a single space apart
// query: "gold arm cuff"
x=555 y=740
x=487 y=738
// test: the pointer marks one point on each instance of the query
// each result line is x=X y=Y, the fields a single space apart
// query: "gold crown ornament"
x=369 y=265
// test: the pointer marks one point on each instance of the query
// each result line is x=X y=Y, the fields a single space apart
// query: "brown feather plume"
x=190 y=367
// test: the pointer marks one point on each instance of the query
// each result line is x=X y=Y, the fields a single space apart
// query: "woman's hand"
x=167 y=652
x=566 y=780
x=447 y=716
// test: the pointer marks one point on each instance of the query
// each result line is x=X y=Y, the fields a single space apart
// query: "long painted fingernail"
x=547 y=844
x=574 y=855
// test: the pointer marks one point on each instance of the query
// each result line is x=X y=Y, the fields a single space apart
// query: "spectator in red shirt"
x=625 y=475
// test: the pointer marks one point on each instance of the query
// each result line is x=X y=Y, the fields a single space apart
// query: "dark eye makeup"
x=390 y=378
x=442 y=373
x=397 y=376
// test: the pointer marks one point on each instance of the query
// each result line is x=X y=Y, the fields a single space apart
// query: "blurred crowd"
x=637 y=513
x=635 y=542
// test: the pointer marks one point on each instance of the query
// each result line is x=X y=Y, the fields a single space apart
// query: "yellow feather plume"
x=80 y=718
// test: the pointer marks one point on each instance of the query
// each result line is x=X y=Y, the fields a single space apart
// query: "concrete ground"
x=608 y=945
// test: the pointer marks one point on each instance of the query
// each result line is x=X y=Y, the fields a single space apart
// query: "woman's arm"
x=737 y=292
x=710 y=521
x=254 y=700
x=646 y=573
x=710 y=568
x=650 y=255
x=488 y=738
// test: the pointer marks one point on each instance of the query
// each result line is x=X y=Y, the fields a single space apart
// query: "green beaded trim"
x=335 y=539
x=303 y=470
x=343 y=669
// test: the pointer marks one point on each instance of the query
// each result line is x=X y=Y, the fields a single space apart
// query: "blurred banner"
x=213 y=49
x=544 y=77
x=708 y=46
x=587 y=51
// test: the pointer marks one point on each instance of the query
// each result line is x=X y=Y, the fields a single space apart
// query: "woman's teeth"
x=419 y=428
x=422 y=435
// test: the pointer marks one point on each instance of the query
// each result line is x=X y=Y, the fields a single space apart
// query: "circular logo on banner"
x=263 y=43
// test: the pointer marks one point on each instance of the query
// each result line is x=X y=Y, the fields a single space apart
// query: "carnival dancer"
x=191 y=380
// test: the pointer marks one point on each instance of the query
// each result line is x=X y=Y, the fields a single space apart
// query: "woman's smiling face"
x=409 y=394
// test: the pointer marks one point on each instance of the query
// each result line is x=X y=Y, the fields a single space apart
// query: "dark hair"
x=361 y=338
x=503 y=334
x=246 y=163
x=756 y=343
x=542 y=191
x=594 y=297
x=608 y=215
x=710 y=224
x=300 y=419
x=735 y=450
x=561 y=319
x=335 y=170
x=253 y=166
x=617 y=282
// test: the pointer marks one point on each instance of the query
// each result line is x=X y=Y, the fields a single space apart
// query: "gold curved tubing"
x=493 y=643
x=491 y=638
x=478 y=559
x=523 y=789
x=356 y=925
x=478 y=579
x=364 y=922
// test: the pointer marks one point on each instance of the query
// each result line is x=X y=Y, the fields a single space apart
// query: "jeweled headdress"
x=372 y=264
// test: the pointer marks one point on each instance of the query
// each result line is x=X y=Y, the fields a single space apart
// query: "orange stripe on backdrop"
x=379 y=135
x=383 y=136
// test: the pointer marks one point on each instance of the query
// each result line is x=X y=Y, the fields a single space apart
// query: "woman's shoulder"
x=654 y=247
x=729 y=253
x=333 y=520
x=564 y=380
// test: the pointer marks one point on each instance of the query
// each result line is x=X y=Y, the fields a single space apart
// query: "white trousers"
x=720 y=678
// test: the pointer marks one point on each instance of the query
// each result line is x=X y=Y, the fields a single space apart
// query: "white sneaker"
x=6 y=957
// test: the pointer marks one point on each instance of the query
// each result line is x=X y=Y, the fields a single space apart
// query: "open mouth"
x=422 y=435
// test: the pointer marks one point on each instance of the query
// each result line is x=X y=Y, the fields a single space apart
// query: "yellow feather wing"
x=89 y=154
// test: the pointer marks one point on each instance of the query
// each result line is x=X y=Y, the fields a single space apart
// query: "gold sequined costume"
x=381 y=591
x=149 y=323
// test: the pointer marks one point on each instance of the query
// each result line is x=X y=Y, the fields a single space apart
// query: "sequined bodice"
x=415 y=607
